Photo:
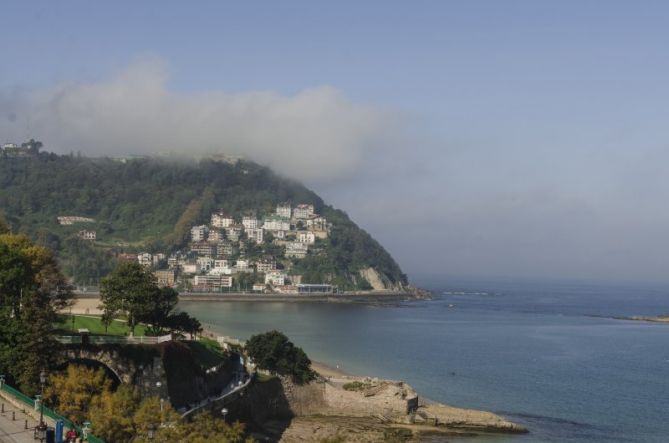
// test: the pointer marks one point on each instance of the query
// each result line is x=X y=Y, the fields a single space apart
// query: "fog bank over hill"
x=316 y=133
x=558 y=188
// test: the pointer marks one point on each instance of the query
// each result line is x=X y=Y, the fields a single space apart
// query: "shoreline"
x=347 y=297
x=654 y=319
x=435 y=416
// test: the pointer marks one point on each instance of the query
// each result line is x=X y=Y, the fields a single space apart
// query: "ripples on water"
x=547 y=356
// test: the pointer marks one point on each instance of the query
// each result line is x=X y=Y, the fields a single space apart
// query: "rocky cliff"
x=356 y=409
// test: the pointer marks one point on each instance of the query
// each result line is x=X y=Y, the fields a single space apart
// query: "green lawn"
x=207 y=352
x=95 y=326
x=262 y=377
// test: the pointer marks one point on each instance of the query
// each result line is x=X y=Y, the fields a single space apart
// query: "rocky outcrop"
x=466 y=419
x=356 y=409
x=373 y=278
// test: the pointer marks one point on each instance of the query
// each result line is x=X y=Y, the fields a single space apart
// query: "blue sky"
x=515 y=138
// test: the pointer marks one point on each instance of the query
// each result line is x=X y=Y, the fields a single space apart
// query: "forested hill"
x=150 y=204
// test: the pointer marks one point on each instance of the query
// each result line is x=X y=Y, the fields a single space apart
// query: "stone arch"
x=93 y=363
x=124 y=371
x=148 y=375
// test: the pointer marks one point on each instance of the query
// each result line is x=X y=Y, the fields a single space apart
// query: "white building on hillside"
x=224 y=248
x=266 y=264
x=234 y=232
x=205 y=263
x=273 y=223
x=87 y=235
x=307 y=237
x=145 y=259
x=275 y=278
x=191 y=268
x=220 y=270
x=297 y=250
x=215 y=235
x=222 y=263
x=199 y=233
x=211 y=282
x=283 y=210
x=255 y=235
x=303 y=211
x=250 y=222
x=158 y=258
x=317 y=223
x=221 y=220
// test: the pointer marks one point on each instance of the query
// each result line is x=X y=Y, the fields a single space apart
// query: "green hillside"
x=150 y=204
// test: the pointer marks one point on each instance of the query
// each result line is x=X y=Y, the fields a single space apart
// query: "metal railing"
x=113 y=340
x=30 y=403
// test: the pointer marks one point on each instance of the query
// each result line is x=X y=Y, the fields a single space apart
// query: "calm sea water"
x=545 y=355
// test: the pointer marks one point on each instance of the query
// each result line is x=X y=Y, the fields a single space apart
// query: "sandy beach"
x=91 y=306
x=81 y=306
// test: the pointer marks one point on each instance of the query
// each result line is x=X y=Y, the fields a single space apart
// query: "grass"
x=208 y=352
x=95 y=326
x=356 y=386
x=261 y=377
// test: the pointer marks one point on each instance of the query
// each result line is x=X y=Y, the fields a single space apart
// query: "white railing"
x=69 y=339
x=234 y=387
x=229 y=340
x=114 y=340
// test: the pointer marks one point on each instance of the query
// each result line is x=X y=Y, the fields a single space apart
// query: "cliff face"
x=361 y=409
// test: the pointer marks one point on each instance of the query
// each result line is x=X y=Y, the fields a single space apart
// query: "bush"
x=356 y=386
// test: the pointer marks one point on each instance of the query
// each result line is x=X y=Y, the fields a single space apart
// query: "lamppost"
x=40 y=430
x=162 y=400
x=85 y=430
x=224 y=411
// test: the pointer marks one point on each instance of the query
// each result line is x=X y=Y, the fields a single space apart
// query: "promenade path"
x=14 y=431
x=240 y=382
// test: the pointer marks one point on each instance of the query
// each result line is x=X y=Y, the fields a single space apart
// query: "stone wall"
x=385 y=398
x=140 y=367
x=376 y=397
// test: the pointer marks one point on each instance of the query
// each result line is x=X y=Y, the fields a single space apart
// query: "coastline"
x=380 y=296
x=654 y=319
x=364 y=406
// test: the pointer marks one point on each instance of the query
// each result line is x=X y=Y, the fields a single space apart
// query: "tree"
x=204 y=428
x=4 y=227
x=182 y=322
x=74 y=391
x=274 y=352
x=157 y=313
x=122 y=416
x=112 y=414
x=129 y=290
x=32 y=289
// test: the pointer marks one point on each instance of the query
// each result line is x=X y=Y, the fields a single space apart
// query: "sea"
x=548 y=355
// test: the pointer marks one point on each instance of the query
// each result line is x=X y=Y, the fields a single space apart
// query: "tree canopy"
x=123 y=415
x=131 y=290
x=32 y=289
x=73 y=391
x=274 y=352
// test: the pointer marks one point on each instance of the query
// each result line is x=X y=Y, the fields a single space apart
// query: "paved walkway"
x=241 y=380
x=14 y=431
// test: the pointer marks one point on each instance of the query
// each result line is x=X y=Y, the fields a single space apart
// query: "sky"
x=515 y=139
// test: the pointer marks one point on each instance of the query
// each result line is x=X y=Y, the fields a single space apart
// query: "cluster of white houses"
x=208 y=264
x=26 y=149
x=84 y=234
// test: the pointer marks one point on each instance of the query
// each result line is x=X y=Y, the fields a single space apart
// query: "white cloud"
x=317 y=133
